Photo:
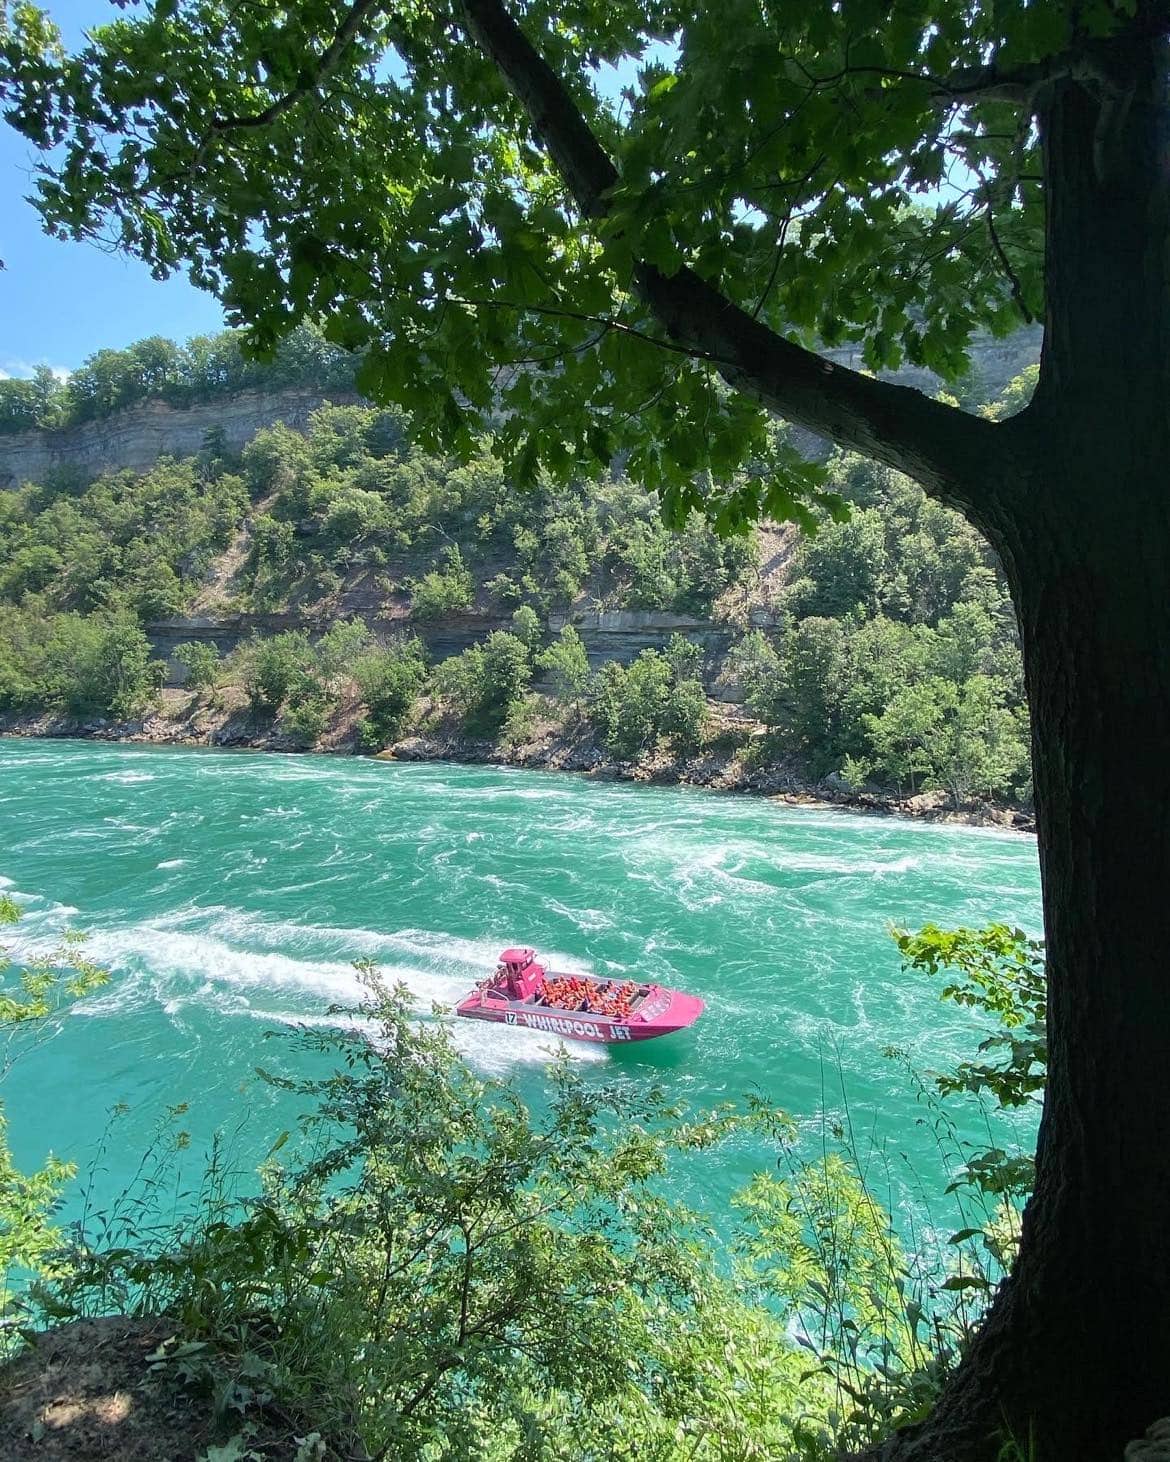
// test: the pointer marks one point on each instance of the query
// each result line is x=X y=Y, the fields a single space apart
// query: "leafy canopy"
x=850 y=172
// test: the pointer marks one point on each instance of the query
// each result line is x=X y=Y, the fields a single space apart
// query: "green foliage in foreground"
x=1000 y=972
x=30 y=1005
x=440 y=1271
x=423 y=226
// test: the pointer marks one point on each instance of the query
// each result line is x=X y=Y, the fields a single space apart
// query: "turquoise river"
x=229 y=892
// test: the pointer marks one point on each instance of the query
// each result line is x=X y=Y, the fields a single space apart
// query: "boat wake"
x=282 y=972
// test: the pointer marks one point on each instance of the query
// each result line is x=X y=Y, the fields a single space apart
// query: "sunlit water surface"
x=229 y=892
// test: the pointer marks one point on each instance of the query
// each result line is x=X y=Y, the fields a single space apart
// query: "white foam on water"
x=307 y=1019
x=42 y=921
x=497 y=1049
x=494 y=1049
x=162 y=957
x=587 y=920
x=233 y=949
x=159 y=963
x=171 y=863
x=125 y=779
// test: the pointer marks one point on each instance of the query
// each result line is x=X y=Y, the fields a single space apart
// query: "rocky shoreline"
x=550 y=748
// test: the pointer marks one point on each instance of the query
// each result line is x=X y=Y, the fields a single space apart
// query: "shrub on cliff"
x=443 y=591
x=277 y=670
x=388 y=679
x=98 y=666
x=201 y=662
x=634 y=706
x=567 y=666
x=482 y=683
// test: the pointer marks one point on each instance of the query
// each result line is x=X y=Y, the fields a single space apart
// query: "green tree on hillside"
x=100 y=666
x=485 y=681
x=566 y=663
x=200 y=660
x=389 y=679
x=890 y=176
x=658 y=696
x=157 y=369
x=278 y=670
x=446 y=590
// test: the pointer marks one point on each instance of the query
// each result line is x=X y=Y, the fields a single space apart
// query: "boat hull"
x=660 y=1013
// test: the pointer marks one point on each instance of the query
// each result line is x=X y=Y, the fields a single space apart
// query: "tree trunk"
x=1074 y=1357
x=1073 y=1360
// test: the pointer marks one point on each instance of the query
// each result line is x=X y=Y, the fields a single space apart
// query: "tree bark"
x=1073 y=1360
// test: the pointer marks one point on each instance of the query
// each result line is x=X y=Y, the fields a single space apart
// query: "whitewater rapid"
x=230 y=894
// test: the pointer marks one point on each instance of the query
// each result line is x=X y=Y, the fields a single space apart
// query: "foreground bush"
x=442 y=1272
x=33 y=997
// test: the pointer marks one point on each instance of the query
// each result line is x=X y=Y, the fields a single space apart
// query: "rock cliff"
x=138 y=436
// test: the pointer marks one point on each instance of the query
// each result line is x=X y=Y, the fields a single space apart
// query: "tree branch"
x=326 y=64
x=940 y=446
x=966 y=84
x=1001 y=83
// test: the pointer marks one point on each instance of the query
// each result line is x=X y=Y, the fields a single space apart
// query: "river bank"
x=731 y=761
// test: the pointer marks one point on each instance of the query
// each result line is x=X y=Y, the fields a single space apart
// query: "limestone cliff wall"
x=993 y=364
x=138 y=436
x=617 y=634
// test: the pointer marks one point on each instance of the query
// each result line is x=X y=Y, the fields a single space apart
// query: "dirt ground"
x=86 y=1392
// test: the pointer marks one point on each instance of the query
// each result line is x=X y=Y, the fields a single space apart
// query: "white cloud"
x=22 y=369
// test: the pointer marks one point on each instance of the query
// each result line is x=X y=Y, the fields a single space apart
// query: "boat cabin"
x=519 y=974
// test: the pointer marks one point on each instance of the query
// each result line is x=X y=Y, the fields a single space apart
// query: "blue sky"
x=59 y=302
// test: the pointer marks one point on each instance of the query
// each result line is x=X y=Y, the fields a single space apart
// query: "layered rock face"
x=138 y=436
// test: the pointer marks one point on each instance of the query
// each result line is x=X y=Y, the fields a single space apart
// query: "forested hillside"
x=878 y=650
x=207 y=367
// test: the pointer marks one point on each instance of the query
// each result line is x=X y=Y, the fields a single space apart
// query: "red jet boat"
x=578 y=1007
